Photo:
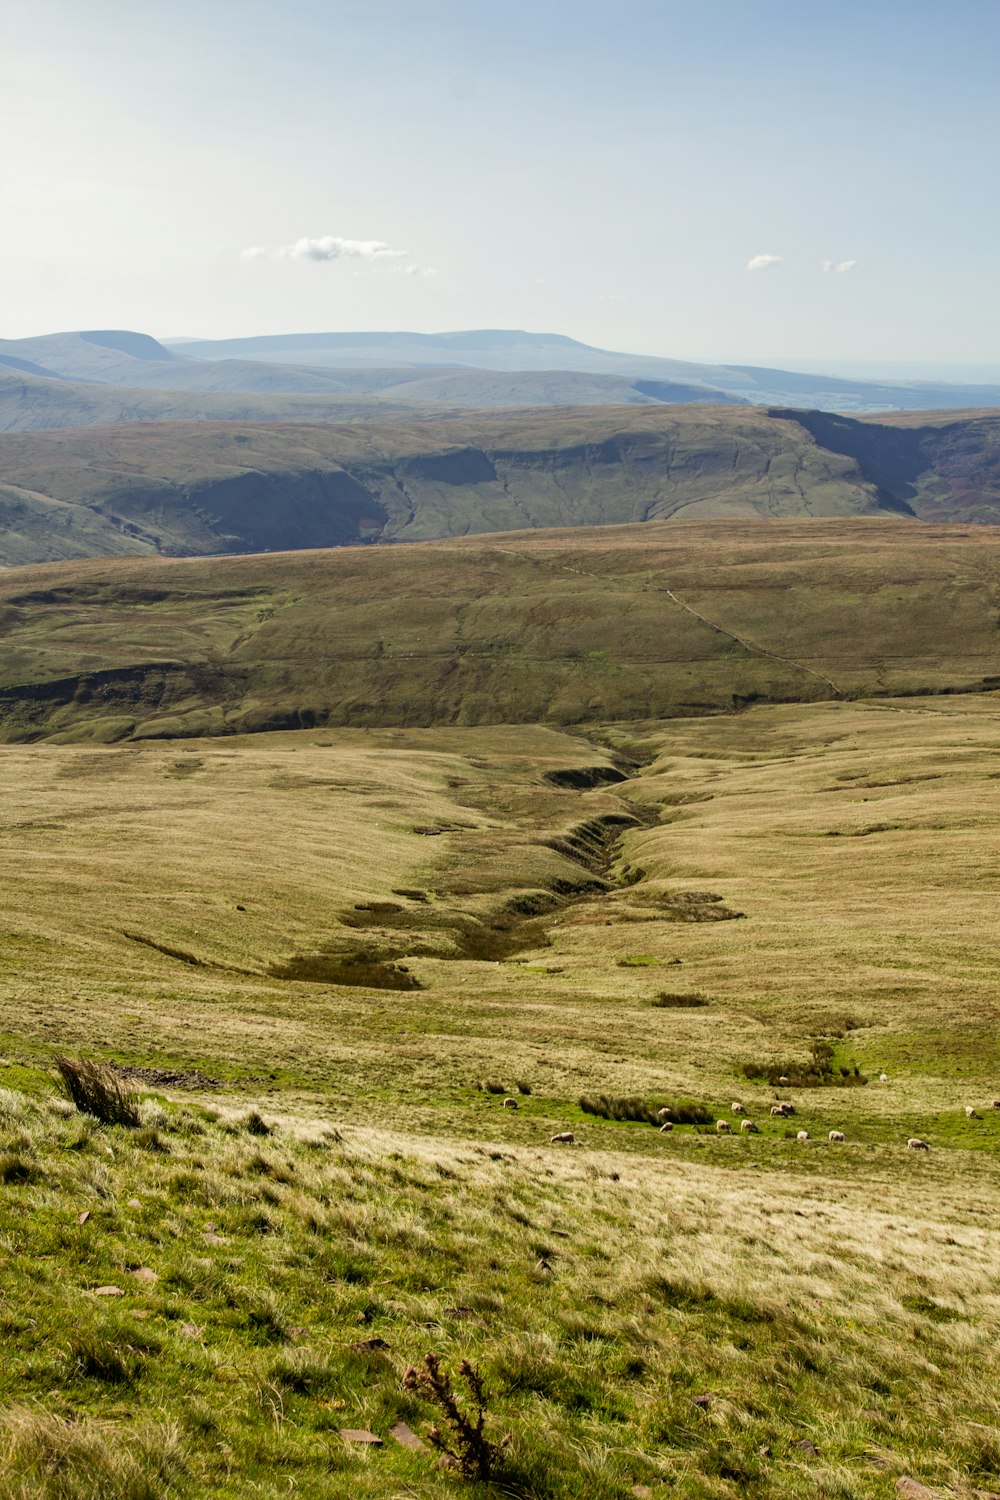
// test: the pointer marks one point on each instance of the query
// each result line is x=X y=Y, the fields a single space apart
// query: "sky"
x=719 y=180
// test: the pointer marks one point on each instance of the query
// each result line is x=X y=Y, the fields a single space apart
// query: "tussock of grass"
x=821 y=1071
x=678 y=1111
x=97 y=1090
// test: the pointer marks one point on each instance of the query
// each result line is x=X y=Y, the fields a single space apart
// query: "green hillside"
x=617 y=623
x=181 y=489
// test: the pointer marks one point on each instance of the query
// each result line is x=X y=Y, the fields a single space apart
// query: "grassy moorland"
x=203 y=488
x=315 y=953
x=606 y=623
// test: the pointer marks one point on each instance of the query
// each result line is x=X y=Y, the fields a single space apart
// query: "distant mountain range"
x=79 y=379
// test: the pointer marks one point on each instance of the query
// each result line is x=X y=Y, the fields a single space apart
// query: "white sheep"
x=510 y=1104
x=970 y=1112
x=749 y=1127
x=803 y=1135
x=564 y=1135
x=737 y=1109
x=916 y=1144
x=723 y=1127
x=837 y=1135
x=777 y=1109
x=666 y=1126
x=784 y=1081
x=664 y=1113
x=883 y=1078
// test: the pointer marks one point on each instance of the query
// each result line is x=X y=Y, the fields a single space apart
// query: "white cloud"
x=327 y=247
x=826 y=265
x=762 y=262
x=838 y=266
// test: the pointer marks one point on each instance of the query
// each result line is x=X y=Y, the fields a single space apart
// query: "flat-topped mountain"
x=481 y=368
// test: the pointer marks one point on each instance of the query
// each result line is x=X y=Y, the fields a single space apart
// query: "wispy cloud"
x=326 y=247
x=838 y=267
x=762 y=262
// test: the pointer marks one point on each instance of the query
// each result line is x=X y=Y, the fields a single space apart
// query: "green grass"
x=693 y=619
x=318 y=1164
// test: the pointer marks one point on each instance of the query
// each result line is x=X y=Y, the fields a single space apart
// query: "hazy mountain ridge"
x=498 y=367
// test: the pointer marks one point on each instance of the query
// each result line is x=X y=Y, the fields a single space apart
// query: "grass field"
x=604 y=623
x=340 y=937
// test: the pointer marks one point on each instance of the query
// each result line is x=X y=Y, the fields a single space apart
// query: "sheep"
x=749 y=1127
x=916 y=1144
x=837 y=1135
x=784 y=1081
x=883 y=1078
x=737 y=1109
x=803 y=1135
x=995 y=1104
x=664 y=1113
x=510 y=1104
x=564 y=1135
x=666 y=1126
x=723 y=1127
x=970 y=1112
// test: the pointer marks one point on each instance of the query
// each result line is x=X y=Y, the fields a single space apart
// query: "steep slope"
x=602 y=624
x=199 y=488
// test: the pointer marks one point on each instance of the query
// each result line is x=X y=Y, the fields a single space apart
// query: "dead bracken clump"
x=97 y=1090
x=464 y=1442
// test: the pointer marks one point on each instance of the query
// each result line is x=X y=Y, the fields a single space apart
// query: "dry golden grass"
x=844 y=1295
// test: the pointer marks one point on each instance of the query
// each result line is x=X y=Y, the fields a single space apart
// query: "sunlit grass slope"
x=606 y=623
x=353 y=931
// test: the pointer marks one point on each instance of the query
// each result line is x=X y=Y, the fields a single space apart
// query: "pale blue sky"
x=605 y=171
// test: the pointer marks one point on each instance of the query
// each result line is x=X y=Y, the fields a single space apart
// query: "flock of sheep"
x=782 y=1110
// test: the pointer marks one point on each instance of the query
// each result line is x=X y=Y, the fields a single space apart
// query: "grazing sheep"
x=803 y=1135
x=837 y=1135
x=784 y=1081
x=510 y=1104
x=723 y=1127
x=749 y=1127
x=667 y=1125
x=664 y=1113
x=883 y=1078
x=970 y=1112
x=779 y=1109
x=564 y=1135
x=737 y=1109
x=916 y=1144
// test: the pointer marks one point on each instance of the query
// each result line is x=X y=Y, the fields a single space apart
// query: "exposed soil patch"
x=168 y=1078
x=357 y=973
x=582 y=778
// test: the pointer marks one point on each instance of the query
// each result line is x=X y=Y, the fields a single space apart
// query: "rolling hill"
x=602 y=624
x=181 y=489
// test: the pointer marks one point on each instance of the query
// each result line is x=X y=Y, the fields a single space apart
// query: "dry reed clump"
x=680 y=1111
x=97 y=1090
x=822 y=1070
